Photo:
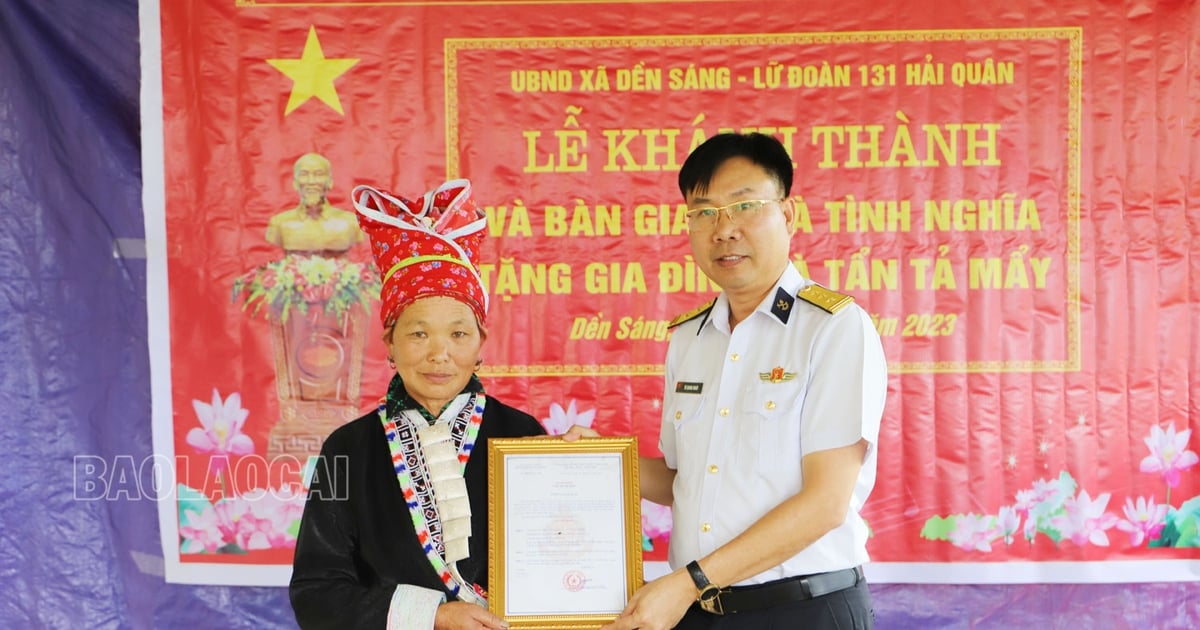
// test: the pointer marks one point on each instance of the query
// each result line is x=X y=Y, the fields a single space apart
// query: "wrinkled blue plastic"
x=74 y=372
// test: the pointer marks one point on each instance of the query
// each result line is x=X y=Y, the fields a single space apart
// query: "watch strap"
x=698 y=577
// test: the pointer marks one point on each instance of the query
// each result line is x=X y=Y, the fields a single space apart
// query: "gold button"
x=678 y=415
x=705 y=527
x=770 y=404
x=734 y=357
x=725 y=412
x=712 y=468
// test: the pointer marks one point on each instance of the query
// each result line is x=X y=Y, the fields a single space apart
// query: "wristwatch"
x=710 y=594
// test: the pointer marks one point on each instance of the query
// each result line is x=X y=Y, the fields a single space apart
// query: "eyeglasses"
x=738 y=212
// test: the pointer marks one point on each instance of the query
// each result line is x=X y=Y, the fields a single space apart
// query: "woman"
x=395 y=527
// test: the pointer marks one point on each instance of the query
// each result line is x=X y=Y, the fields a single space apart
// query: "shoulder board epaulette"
x=825 y=299
x=692 y=314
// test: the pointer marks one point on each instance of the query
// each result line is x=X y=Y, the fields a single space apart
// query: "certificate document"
x=565 y=530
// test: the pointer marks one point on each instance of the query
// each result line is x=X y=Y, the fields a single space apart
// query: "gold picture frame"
x=565 y=531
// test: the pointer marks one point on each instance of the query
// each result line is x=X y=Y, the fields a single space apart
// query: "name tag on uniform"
x=683 y=387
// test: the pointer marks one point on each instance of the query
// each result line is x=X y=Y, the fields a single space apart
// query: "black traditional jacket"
x=357 y=540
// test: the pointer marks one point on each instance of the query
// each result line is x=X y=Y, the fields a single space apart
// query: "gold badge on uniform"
x=776 y=375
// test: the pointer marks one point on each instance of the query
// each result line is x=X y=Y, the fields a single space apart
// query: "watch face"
x=710 y=601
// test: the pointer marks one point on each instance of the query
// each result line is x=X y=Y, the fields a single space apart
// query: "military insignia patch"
x=776 y=375
x=782 y=307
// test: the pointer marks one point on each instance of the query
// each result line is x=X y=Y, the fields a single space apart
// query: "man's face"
x=744 y=258
x=312 y=180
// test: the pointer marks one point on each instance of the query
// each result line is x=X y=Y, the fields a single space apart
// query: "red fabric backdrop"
x=1010 y=193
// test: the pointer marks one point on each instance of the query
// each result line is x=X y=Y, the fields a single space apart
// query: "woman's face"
x=435 y=344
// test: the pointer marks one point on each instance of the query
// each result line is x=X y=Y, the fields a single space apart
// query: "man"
x=773 y=398
x=314 y=226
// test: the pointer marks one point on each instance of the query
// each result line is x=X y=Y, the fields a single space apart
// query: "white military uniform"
x=742 y=408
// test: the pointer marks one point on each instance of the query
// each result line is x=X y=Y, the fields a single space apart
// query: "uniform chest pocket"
x=684 y=410
x=770 y=425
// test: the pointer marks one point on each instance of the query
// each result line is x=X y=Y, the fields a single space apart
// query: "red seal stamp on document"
x=574 y=580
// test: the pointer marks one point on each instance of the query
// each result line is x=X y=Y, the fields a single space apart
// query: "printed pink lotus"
x=561 y=419
x=1168 y=454
x=1052 y=508
x=656 y=519
x=1085 y=520
x=263 y=518
x=1143 y=520
x=220 y=432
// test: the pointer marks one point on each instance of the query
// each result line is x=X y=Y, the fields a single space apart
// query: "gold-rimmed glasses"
x=738 y=212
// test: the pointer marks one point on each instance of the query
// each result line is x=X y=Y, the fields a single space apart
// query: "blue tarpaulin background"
x=74 y=373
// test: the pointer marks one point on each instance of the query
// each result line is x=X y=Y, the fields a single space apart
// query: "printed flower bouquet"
x=299 y=282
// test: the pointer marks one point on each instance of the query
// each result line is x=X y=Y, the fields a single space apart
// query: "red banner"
x=1019 y=241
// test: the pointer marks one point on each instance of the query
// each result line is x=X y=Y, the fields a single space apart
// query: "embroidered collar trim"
x=410 y=461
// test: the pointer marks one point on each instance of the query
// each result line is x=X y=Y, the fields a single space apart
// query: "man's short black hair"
x=759 y=148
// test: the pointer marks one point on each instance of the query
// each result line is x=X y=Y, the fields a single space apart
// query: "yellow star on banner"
x=312 y=74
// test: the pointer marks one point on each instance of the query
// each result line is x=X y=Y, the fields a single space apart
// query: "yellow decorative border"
x=1073 y=34
x=572 y=370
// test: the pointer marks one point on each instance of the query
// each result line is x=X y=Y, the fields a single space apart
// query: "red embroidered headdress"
x=426 y=247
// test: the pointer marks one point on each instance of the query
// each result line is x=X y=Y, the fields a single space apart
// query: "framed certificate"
x=565 y=533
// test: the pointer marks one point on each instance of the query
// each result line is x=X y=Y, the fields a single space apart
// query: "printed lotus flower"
x=1025 y=501
x=267 y=519
x=1051 y=508
x=261 y=518
x=1030 y=530
x=1085 y=520
x=1168 y=454
x=1055 y=491
x=1047 y=501
x=561 y=419
x=220 y=431
x=973 y=532
x=656 y=519
x=1143 y=520
x=229 y=511
x=1008 y=523
x=202 y=531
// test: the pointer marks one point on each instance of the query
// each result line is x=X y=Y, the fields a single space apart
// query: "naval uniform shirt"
x=741 y=409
